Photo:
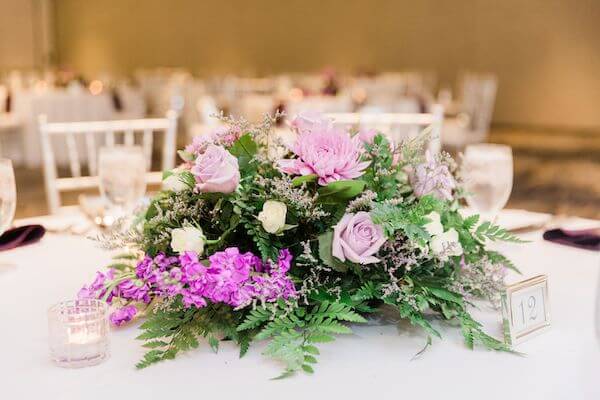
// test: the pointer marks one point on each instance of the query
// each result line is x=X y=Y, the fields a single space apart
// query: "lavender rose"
x=357 y=238
x=216 y=170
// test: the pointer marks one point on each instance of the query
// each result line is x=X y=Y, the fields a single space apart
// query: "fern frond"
x=492 y=232
x=255 y=318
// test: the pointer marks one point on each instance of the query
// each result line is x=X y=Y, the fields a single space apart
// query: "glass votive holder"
x=78 y=333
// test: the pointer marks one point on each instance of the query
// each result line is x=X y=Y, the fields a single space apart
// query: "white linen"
x=374 y=363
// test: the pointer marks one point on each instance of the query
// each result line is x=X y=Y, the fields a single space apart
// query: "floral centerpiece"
x=250 y=241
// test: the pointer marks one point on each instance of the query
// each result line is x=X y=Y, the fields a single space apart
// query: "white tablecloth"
x=374 y=363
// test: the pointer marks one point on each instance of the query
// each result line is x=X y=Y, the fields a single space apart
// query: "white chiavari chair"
x=96 y=134
x=477 y=95
x=397 y=126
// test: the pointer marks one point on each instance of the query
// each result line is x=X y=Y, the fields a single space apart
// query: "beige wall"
x=26 y=34
x=546 y=52
x=16 y=34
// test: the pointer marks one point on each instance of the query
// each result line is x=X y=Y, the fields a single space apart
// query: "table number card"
x=525 y=309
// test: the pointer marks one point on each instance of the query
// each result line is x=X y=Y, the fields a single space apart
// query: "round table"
x=374 y=363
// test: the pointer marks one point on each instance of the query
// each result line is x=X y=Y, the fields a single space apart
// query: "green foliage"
x=470 y=222
x=174 y=329
x=498 y=258
x=473 y=333
x=382 y=175
x=407 y=218
x=368 y=291
x=255 y=318
x=244 y=149
x=299 y=180
x=325 y=248
x=492 y=232
x=266 y=244
x=293 y=333
x=340 y=191
x=412 y=149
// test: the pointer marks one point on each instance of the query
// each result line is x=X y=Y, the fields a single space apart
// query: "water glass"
x=122 y=172
x=78 y=333
x=488 y=176
x=8 y=194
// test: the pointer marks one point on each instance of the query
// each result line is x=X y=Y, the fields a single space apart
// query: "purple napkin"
x=588 y=239
x=21 y=236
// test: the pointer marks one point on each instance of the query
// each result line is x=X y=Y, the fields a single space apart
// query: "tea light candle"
x=78 y=333
x=84 y=338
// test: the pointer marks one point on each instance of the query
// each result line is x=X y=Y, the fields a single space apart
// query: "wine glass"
x=122 y=172
x=488 y=177
x=8 y=194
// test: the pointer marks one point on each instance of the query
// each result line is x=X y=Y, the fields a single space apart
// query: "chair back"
x=397 y=126
x=478 y=94
x=94 y=134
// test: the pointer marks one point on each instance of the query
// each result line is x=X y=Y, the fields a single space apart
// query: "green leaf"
x=340 y=191
x=213 y=342
x=185 y=156
x=244 y=149
x=445 y=294
x=333 y=327
x=498 y=258
x=470 y=221
x=492 y=232
x=310 y=350
x=167 y=174
x=325 y=248
x=286 y=374
x=254 y=319
x=310 y=359
x=155 y=344
x=308 y=369
x=320 y=338
x=120 y=266
x=299 y=180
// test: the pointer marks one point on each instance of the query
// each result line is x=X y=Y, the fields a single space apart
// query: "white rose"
x=175 y=183
x=272 y=216
x=435 y=226
x=446 y=244
x=187 y=239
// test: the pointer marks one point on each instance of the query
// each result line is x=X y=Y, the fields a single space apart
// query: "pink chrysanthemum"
x=330 y=153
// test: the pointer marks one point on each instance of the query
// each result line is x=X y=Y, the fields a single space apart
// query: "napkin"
x=21 y=236
x=588 y=239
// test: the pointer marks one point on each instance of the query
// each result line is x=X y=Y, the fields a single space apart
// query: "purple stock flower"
x=134 y=289
x=163 y=261
x=285 y=260
x=432 y=177
x=98 y=288
x=231 y=277
x=123 y=315
x=144 y=269
x=191 y=268
x=192 y=299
